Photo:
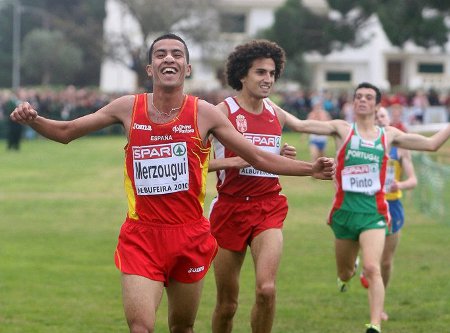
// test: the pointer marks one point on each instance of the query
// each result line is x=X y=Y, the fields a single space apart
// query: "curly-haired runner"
x=249 y=210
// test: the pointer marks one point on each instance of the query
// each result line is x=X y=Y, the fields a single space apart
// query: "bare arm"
x=237 y=162
x=331 y=127
x=216 y=164
x=211 y=120
x=410 y=180
x=118 y=111
x=416 y=141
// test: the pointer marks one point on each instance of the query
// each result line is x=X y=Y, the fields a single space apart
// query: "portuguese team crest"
x=241 y=123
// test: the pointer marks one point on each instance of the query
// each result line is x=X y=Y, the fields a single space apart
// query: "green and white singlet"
x=360 y=175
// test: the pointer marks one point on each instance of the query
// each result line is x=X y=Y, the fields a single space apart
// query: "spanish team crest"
x=241 y=123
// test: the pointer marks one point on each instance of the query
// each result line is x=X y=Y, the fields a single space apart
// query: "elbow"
x=432 y=148
x=413 y=182
x=65 y=140
x=66 y=134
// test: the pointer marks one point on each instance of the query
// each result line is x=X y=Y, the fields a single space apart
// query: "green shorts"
x=349 y=225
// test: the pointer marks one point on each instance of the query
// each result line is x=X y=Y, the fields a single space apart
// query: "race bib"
x=269 y=143
x=364 y=178
x=161 y=169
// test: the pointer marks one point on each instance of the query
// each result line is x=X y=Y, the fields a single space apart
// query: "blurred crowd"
x=72 y=102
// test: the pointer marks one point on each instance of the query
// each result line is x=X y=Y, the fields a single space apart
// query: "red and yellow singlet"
x=165 y=167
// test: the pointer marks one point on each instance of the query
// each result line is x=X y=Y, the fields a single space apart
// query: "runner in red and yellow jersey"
x=166 y=161
x=162 y=178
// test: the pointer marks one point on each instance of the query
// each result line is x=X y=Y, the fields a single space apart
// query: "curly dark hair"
x=241 y=59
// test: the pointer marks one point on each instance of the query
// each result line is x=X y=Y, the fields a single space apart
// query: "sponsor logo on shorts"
x=381 y=223
x=196 y=269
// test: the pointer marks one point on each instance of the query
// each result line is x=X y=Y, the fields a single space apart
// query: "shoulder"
x=120 y=106
x=222 y=107
x=341 y=124
x=207 y=110
x=392 y=132
x=126 y=100
x=203 y=105
x=279 y=112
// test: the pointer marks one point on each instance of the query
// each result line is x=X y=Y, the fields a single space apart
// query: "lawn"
x=61 y=208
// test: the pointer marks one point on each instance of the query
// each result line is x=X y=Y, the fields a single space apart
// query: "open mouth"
x=169 y=71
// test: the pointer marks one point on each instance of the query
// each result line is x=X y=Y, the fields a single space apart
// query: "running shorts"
x=236 y=221
x=397 y=215
x=349 y=225
x=161 y=252
x=320 y=145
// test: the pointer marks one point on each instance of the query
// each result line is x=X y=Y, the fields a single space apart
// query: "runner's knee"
x=266 y=293
x=137 y=327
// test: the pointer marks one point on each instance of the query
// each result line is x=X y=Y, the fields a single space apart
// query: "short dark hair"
x=241 y=59
x=369 y=86
x=167 y=36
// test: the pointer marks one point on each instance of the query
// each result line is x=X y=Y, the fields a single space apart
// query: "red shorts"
x=160 y=252
x=236 y=221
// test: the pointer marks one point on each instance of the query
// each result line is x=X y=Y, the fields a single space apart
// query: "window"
x=232 y=23
x=333 y=76
x=431 y=68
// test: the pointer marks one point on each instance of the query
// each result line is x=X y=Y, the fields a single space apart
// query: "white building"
x=377 y=61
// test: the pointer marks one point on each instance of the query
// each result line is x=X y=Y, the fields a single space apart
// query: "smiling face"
x=260 y=78
x=169 y=65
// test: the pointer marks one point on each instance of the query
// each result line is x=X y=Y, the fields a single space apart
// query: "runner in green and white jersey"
x=359 y=214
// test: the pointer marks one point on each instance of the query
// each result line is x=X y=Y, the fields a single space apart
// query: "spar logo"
x=179 y=149
x=360 y=169
x=263 y=140
x=151 y=152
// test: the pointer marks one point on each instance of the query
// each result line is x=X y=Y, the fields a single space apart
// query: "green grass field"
x=61 y=208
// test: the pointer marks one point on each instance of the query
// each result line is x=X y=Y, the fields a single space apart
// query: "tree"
x=81 y=21
x=193 y=19
x=422 y=22
x=49 y=58
x=299 y=30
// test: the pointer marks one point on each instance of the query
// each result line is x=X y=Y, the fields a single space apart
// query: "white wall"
x=367 y=63
x=115 y=76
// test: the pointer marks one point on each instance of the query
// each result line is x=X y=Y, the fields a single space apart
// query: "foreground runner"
x=165 y=240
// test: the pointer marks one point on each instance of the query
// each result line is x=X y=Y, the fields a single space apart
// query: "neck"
x=367 y=128
x=249 y=103
x=164 y=106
